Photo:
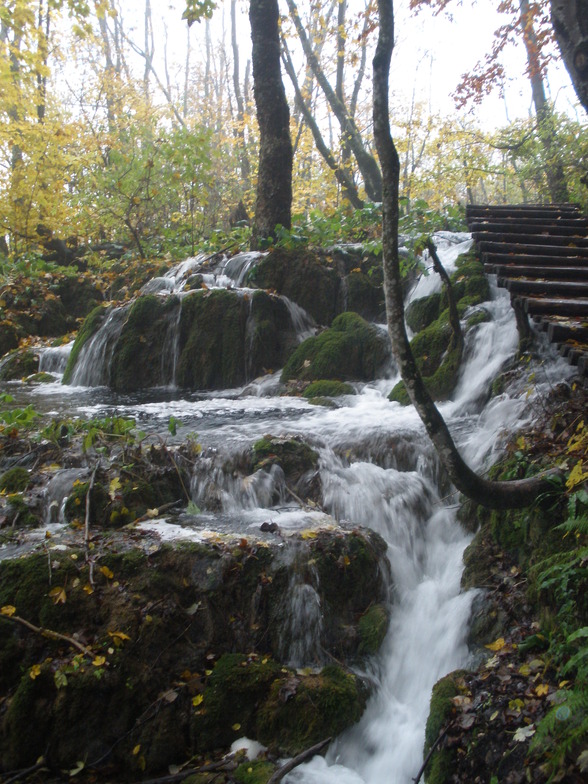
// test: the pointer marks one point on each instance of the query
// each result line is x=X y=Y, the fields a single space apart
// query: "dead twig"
x=21 y=774
x=49 y=633
x=298 y=760
x=87 y=527
x=223 y=765
x=442 y=734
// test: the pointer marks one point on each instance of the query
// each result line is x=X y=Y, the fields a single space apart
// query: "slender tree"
x=491 y=494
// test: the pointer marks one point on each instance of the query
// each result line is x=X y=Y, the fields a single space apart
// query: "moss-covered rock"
x=303 y=278
x=292 y=454
x=15 y=480
x=153 y=619
x=423 y=311
x=327 y=388
x=300 y=712
x=141 y=356
x=19 y=364
x=8 y=336
x=441 y=708
x=350 y=349
x=372 y=628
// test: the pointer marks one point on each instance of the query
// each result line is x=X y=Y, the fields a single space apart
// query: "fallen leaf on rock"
x=524 y=733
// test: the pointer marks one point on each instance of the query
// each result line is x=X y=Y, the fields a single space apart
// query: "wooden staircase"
x=540 y=254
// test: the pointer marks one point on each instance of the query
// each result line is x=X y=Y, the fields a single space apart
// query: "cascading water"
x=377 y=469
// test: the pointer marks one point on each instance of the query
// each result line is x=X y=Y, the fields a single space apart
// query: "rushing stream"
x=377 y=470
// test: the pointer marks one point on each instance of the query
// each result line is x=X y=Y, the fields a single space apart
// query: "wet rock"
x=351 y=349
x=155 y=619
x=19 y=364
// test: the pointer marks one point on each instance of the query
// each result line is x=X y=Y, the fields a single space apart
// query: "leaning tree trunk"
x=570 y=25
x=492 y=494
x=274 y=178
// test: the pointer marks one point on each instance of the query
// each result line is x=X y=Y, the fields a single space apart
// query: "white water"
x=378 y=470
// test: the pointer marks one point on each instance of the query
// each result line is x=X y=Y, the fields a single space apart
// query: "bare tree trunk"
x=366 y=163
x=342 y=175
x=570 y=25
x=274 y=179
x=243 y=156
x=492 y=494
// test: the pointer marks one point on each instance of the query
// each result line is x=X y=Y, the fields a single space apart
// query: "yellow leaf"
x=58 y=595
x=577 y=476
x=98 y=661
x=236 y=727
x=108 y=573
x=7 y=610
x=542 y=690
x=114 y=487
x=35 y=671
x=197 y=700
x=497 y=645
x=119 y=636
x=525 y=670
x=88 y=589
x=137 y=749
x=152 y=513
x=308 y=534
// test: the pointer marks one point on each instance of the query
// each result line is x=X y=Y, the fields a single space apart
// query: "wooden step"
x=550 y=240
x=534 y=260
x=530 y=271
x=540 y=228
x=554 y=288
x=571 y=308
x=540 y=250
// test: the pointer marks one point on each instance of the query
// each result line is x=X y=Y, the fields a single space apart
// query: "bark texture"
x=274 y=179
x=491 y=494
x=570 y=25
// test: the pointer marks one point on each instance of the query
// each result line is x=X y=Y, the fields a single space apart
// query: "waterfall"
x=93 y=366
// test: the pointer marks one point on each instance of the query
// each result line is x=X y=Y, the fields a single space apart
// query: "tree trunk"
x=243 y=155
x=342 y=175
x=570 y=25
x=556 y=180
x=366 y=163
x=274 y=179
x=492 y=494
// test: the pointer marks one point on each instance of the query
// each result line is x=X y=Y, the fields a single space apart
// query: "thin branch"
x=298 y=760
x=49 y=633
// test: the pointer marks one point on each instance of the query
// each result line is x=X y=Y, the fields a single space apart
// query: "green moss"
x=212 y=340
x=422 y=312
x=328 y=388
x=254 y=772
x=372 y=628
x=15 y=480
x=90 y=326
x=365 y=295
x=319 y=706
x=399 y=394
x=27 y=721
x=303 y=277
x=430 y=345
x=234 y=691
x=294 y=456
x=440 y=710
x=19 y=364
x=350 y=349
x=137 y=361
x=479 y=317
x=40 y=378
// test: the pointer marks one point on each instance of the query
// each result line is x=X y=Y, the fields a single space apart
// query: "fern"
x=563 y=729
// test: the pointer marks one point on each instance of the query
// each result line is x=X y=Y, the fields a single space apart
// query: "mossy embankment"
x=522 y=714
